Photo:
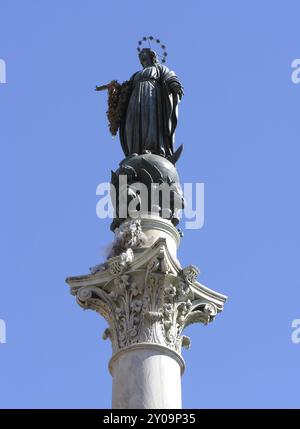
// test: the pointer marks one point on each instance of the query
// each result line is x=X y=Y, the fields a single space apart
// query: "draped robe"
x=150 y=119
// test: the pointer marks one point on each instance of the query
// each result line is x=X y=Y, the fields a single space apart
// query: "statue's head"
x=148 y=57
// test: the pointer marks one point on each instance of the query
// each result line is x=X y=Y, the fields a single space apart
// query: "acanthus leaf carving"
x=148 y=303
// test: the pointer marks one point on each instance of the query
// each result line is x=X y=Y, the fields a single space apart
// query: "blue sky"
x=239 y=123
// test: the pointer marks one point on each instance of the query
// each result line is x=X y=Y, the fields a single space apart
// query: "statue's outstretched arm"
x=111 y=86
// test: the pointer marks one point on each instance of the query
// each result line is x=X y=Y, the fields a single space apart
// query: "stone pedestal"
x=147 y=299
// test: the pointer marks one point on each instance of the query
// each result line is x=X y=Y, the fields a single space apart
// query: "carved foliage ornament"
x=150 y=304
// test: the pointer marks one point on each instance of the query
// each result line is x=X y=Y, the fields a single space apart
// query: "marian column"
x=141 y=289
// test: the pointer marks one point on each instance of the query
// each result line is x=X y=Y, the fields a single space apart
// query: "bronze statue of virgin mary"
x=145 y=109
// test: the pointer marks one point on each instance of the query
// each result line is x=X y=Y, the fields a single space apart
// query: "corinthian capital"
x=147 y=298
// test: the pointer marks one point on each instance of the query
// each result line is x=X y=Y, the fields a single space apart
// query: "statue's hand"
x=177 y=90
x=180 y=93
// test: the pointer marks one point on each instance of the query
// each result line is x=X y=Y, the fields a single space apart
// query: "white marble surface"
x=146 y=378
x=154 y=227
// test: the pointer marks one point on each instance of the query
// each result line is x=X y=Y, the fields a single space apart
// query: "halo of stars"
x=153 y=39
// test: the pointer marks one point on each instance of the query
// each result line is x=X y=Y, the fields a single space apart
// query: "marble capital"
x=145 y=295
